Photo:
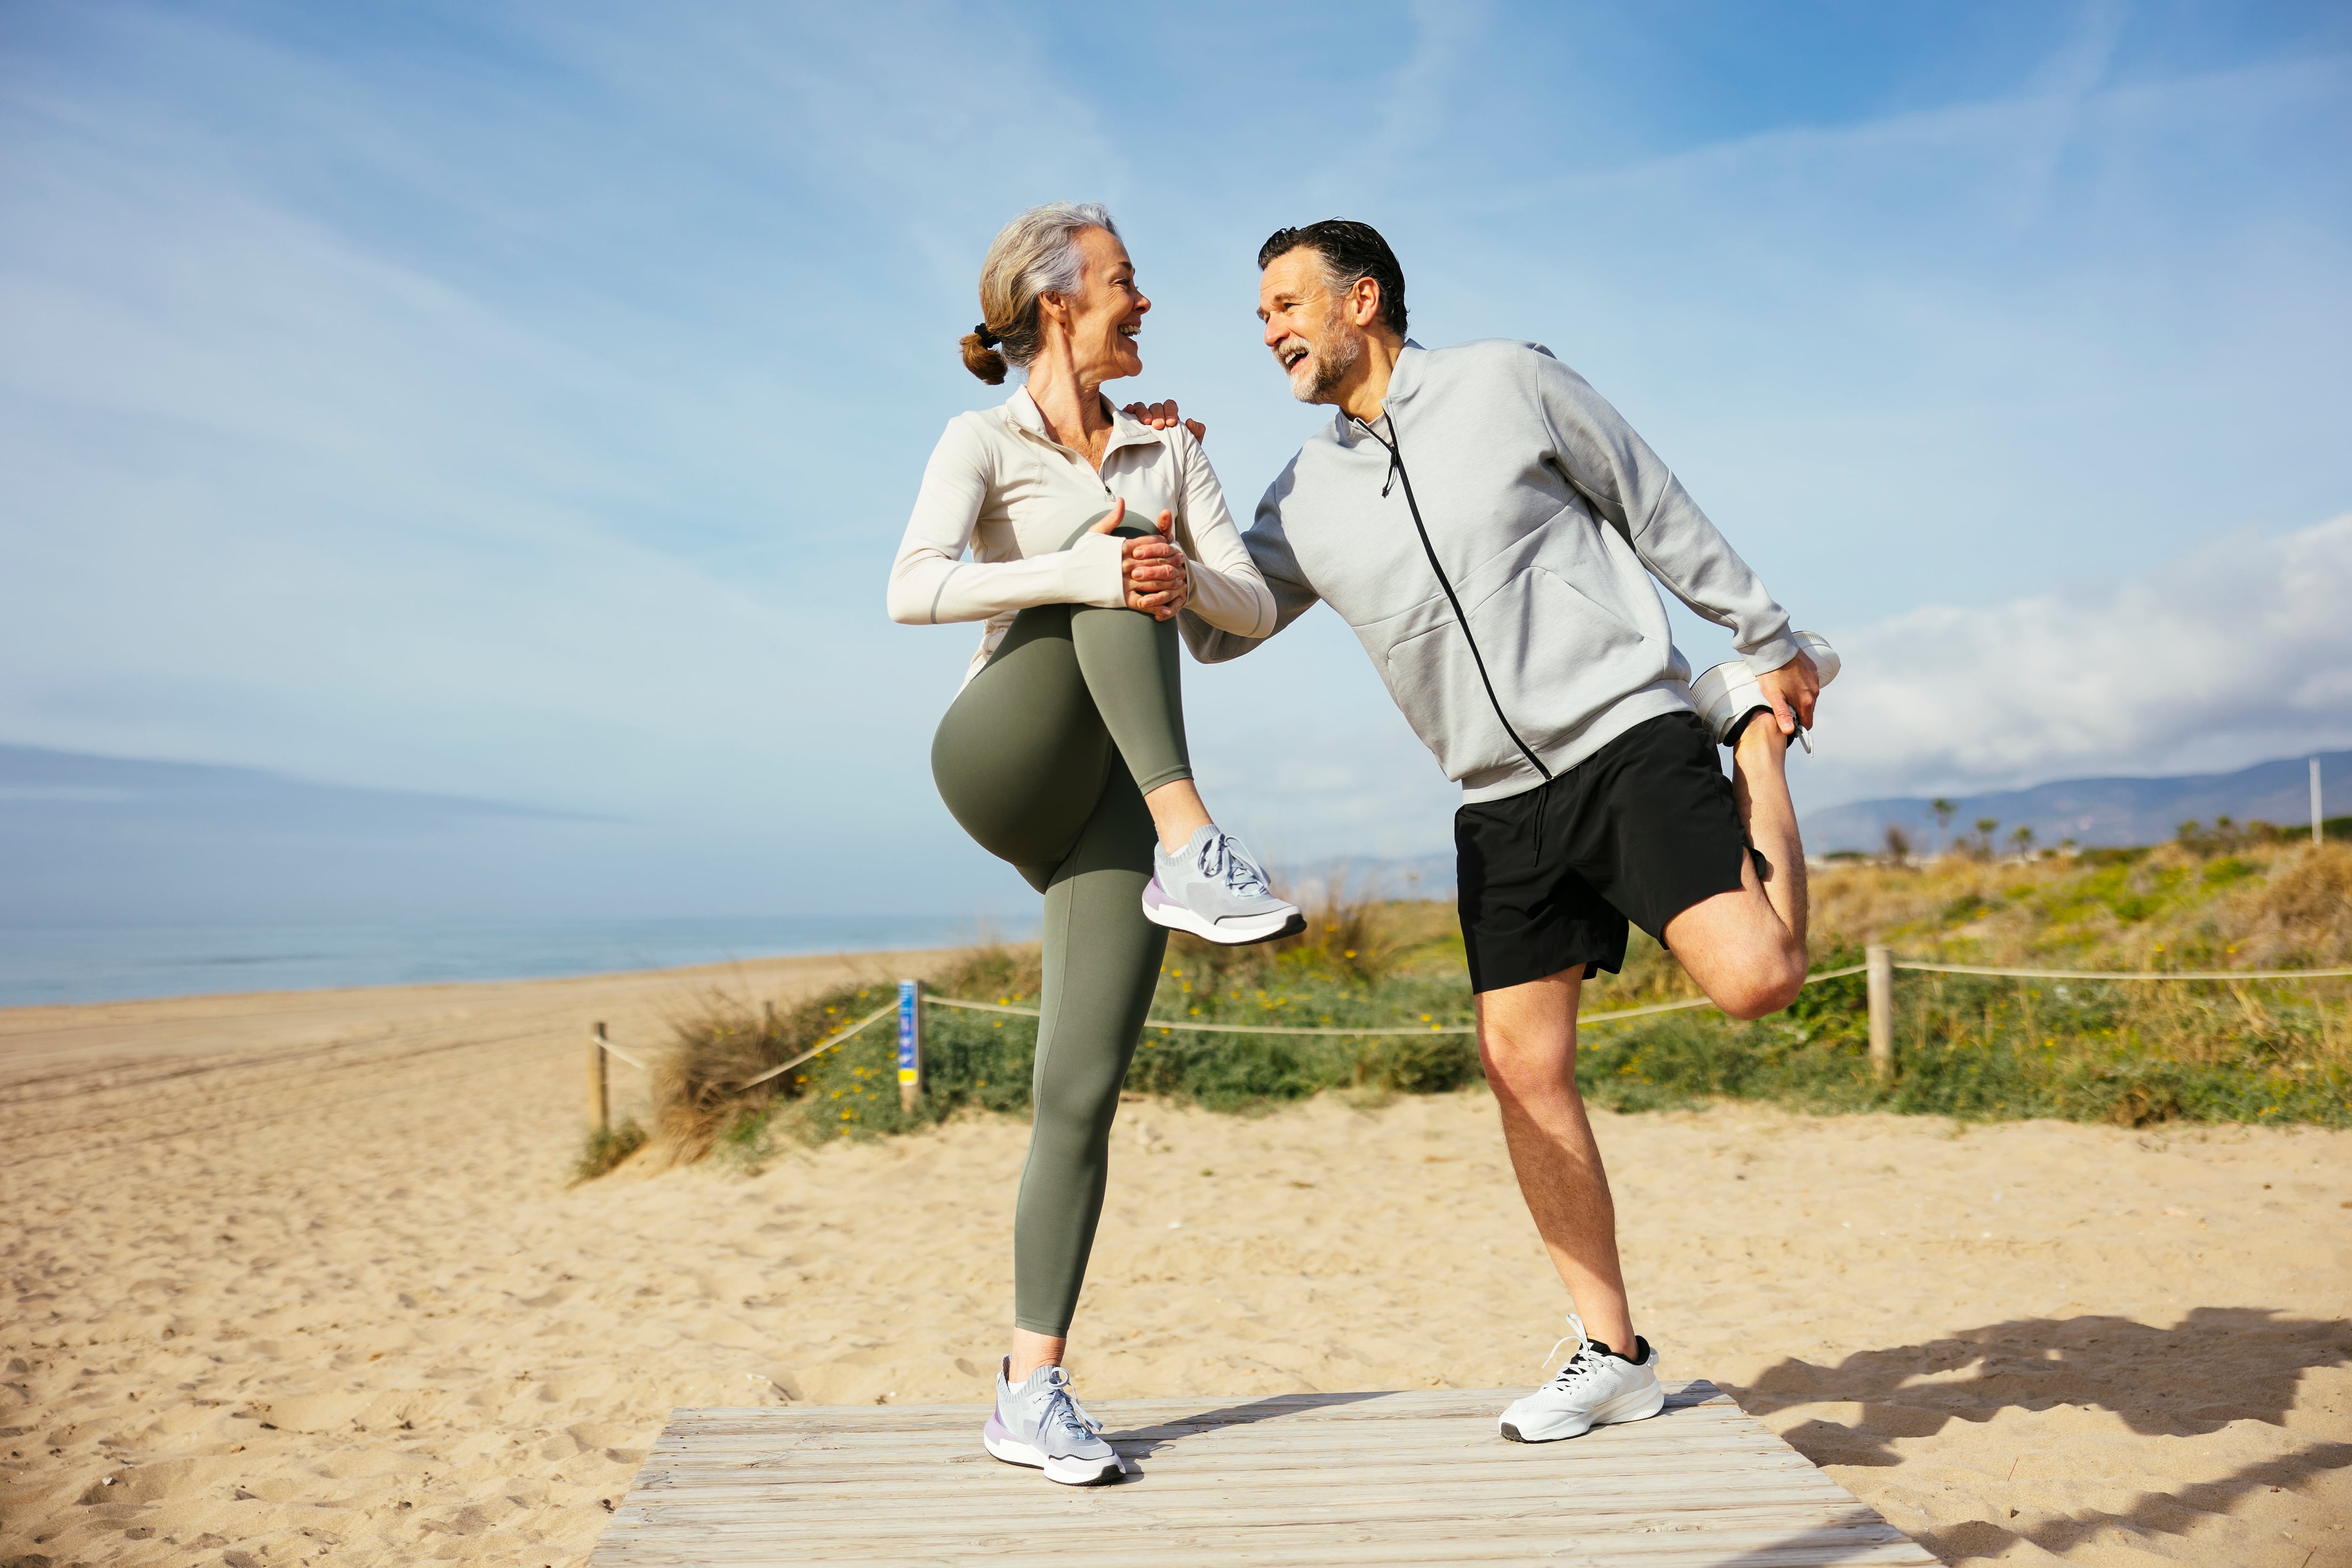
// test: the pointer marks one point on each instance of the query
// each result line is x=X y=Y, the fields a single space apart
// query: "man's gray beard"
x=1332 y=359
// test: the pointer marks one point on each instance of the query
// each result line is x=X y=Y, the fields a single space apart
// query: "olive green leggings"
x=1044 y=759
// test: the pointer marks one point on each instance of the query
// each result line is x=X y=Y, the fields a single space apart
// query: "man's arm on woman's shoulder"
x=1162 y=417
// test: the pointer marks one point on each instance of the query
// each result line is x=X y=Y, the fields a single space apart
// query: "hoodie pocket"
x=1554 y=657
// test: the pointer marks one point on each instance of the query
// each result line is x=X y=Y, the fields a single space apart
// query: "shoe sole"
x=1233 y=933
x=1645 y=1403
x=1726 y=729
x=1003 y=1444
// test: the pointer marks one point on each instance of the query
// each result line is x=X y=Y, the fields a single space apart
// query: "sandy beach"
x=297 y=1278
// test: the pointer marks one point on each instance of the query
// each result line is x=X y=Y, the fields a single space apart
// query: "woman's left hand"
x=1157 y=576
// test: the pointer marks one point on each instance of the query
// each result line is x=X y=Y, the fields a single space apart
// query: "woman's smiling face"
x=1107 y=314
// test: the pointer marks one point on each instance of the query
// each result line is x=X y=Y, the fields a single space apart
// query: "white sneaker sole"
x=1003 y=1444
x=1637 y=1404
x=1727 y=693
x=1162 y=910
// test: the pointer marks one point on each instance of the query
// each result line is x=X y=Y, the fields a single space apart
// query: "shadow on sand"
x=2217 y=1365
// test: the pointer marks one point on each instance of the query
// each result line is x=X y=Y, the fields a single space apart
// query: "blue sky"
x=524 y=401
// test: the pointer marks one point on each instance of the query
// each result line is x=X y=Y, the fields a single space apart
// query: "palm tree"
x=1945 y=811
x=1985 y=824
x=2023 y=840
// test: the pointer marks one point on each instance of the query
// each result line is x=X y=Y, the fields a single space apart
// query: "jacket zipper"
x=1395 y=449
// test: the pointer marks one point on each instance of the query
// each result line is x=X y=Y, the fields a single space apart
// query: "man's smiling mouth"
x=1290 y=354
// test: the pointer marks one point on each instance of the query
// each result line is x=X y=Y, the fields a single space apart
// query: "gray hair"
x=1036 y=253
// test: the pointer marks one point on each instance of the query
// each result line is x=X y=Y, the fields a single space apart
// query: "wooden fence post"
x=910 y=1045
x=1880 y=965
x=600 y=1101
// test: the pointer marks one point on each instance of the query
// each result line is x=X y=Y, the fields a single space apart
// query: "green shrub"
x=604 y=1148
x=2128 y=1053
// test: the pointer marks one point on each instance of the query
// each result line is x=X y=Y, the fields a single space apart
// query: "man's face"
x=1310 y=329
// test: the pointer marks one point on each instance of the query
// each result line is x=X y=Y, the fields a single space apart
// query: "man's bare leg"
x=1526 y=1038
x=1746 y=949
x=1760 y=784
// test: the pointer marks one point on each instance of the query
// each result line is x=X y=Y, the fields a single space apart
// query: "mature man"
x=1490 y=526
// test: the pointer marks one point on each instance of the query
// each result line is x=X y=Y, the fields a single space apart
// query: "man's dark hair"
x=1349 y=250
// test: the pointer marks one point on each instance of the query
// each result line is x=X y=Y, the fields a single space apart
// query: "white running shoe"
x=1041 y=1425
x=1593 y=1389
x=1725 y=695
x=1215 y=887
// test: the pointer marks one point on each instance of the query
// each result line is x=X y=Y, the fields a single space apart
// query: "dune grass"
x=1359 y=961
x=2133 y=1053
x=604 y=1149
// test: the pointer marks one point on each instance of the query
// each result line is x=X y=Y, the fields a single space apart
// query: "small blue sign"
x=910 y=1063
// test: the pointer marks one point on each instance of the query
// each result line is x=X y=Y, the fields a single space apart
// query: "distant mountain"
x=67 y=790
x=2109 y=811
x=101 y=839
x=1409 y=877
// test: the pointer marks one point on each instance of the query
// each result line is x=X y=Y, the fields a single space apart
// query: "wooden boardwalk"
x=1290 y=1480
x=1413 y=1477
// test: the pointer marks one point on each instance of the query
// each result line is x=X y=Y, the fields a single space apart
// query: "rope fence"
x=2132 y=973
x=825 y=1044
x=1879 y=964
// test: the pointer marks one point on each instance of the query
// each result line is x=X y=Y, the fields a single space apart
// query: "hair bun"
x=983 y=361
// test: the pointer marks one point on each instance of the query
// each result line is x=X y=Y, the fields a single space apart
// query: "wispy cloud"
x=2238 y=651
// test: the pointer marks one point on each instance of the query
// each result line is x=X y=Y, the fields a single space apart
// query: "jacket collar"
x=1404 y=378
x=1021 y=411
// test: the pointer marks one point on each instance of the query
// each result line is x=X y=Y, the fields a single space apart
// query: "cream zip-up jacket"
x=999 y=486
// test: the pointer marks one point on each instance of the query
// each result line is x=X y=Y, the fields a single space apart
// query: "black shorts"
x=1640 y=830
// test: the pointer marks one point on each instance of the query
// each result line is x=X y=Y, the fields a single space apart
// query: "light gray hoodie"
x=1549 y=517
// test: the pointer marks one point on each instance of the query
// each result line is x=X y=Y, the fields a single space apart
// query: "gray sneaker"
x=1215 y=887
x=1039 y=1423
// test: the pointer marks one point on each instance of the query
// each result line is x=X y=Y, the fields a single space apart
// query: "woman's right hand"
x=1152 y=569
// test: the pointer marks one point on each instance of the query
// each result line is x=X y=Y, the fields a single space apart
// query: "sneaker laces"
x=1587 y=1362
x=1063 y=1410
x=1223 y=859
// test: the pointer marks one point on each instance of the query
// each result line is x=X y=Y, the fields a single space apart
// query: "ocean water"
x=108 y=964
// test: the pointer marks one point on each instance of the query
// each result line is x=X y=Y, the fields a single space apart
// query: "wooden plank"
x=1807 y=1547
x=1670 y=1546
x=837 y=1464
x=1406 y=1405
x=1412 y=1477
x=1540 y=1520
x=1403 y=1405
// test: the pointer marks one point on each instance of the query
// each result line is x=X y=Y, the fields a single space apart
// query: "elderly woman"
x=1063 y=753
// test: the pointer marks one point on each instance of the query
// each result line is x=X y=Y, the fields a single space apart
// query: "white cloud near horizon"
x=2236 y=652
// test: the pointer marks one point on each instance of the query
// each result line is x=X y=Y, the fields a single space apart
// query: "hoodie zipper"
x=1394 y=446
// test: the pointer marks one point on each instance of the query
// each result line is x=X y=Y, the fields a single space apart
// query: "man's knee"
x=1763 y=985
x=1520 y=1067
